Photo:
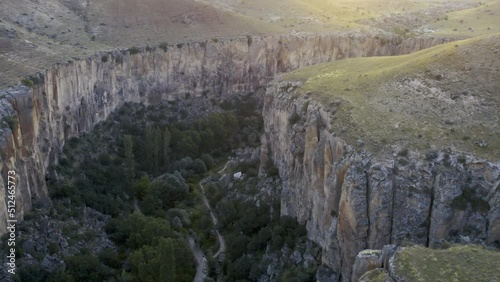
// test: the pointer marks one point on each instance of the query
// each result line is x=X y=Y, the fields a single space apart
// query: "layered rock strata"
x=69 y=99
x=352 y=200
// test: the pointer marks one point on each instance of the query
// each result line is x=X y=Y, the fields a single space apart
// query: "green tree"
x=30 y=272
x=239 y=268
x=198 y=166
x=166 y=146
x=185 y=266
x=171 y=190
x=167 y=258
x=141 y=189
x=151 y=205
x=149 y=147
x=129 y=156
x=138 y=230
x=84 y=268
x=147 y=230
x=209 y=142
x=145 y=264
x=156 y=149
x=189 y=143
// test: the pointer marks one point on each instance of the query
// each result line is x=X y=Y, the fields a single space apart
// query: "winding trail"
x=201 y=261
x=222 y=242
x=225 y=166
x=136 y=205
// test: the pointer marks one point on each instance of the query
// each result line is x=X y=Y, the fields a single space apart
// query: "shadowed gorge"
x=398 y=185
x=364 y=152
x=69 y=99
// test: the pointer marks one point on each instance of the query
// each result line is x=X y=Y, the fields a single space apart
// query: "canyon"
x=349 y=199
x=352 y=200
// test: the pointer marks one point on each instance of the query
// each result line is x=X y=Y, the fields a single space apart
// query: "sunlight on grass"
x=374 y=96
x=458 y=263
x=481 y=20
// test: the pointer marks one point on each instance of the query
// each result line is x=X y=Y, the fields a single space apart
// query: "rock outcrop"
x=352 y=200
x=365 y=261
x=69 y=99
x=460 y=262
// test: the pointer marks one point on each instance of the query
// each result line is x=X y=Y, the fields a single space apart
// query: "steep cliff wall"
x=352 y=200
x=69 y=99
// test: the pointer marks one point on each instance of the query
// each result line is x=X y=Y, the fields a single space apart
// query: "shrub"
x=431 y=155
x=446 y=245
x=459 y=203
x=402 y=161
x=226 y=105
x=134 y=50
x=53 y=248
x=272 y=170
x=12 y=122
x=462 y=159
x=405 y=243
x=84 y=268
x=27 y=82
x=182 y=214
x=469 y=197
x=252 y=172
x=104 y=58
x=110 y=258
x=294 y=118
x=198 y=166
x=164 y=46
x=104 y=159
x=172 y=190
x=245 y=166
x=119 y=59
x=403 y=152
x=208 y=160
x=240 y=268
x=31 y=272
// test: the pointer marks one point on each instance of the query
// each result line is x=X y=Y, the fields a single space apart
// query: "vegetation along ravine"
x=228 y=140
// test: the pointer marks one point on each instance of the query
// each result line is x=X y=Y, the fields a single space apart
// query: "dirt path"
x=225 y=166
x=136 y=205
x=222 y=242
x=201 y=261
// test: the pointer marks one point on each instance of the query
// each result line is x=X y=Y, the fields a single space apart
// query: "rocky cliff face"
x=353 y=200
x=69 y=99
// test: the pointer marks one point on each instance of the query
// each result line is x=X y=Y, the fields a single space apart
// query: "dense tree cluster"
x=142 y=168
x=158 y=253
x=250 y=230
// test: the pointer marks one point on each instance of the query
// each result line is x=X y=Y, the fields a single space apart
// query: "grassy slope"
x=348 y=12
x=481 y=20
x=458 y=263
x=34 y=34
x=445 y=96
x=318 y=15
x=131 y=22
